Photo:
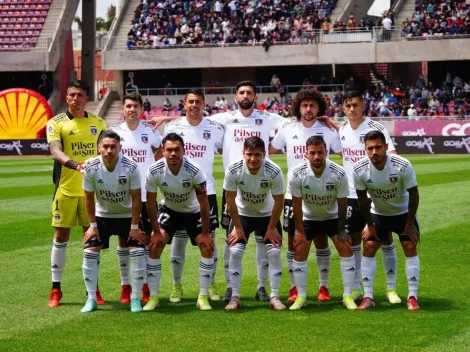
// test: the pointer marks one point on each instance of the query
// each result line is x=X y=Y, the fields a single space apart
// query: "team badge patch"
x=57 y=217
x=361 y=138
x=186 y=184
x=206 y=135
x=330 y=187
x=259 y=122
x=393 y=179
x=93 y=130
x=144 y=138
x=264 y=184
x=123 y=180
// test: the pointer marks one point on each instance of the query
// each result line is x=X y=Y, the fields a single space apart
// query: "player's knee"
x=237 y=251
x=356 y=238
x=301 y=252
x=370 y=248
x=343 y=250
x=61 y=234
x=409 y=248
x=122 y=242
x=206 y=251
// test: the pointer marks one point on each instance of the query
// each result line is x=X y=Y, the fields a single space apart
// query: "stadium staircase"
x=50 y=25
x=373 y=73
x=406 y=10
x=120 y=34
x=341 y=10
x=113 y=113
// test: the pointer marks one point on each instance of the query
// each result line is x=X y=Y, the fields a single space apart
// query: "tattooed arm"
x=61 y=157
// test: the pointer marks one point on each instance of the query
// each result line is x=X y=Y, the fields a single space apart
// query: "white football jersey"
x=178 y=191
x=352 y=144
x=112 y=189
x=238 y=128
x=200 y=143
x=319 y=194
x=137 y=145
x=388 y=187
x=254 y=192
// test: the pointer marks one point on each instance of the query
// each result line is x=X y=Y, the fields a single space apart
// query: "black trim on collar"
x=67 y=112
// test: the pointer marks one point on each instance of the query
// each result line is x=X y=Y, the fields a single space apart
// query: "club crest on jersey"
x=123 y=180
x=393 y=179
x=259 y=122
x=186 y=184
x=330 y=187
x=144 y=138
x=57 y=217
x=93 y=130
x=206 y=135
x=361 y=138
x=264 y=184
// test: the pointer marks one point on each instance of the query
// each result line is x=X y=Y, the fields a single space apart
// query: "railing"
x=232 y=90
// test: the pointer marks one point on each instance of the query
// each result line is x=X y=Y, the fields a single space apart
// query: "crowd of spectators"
x=162 y=23
x=438 y=18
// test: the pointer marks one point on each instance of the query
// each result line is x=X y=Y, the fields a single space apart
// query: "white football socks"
x=123 y=260
x=226 y=263
x=206 y=269
x=389 y=260
x=138 y=270
x=178 y=255
x=300 y=277
x=154 y=273
x=323 y=259
x=275 y=269
x=235 y=267
x=90 y=272
x=215 y=255
x=347 y=272
x=290 y=270
x=262 y=262
x=369 y=269
x=412 y=268
x=357 y=261
x=58 y=253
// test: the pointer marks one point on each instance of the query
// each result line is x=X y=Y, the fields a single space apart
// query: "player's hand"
x=157 y=239
x=90 y=234
x=411 y=232
x=330 y=123
x=299 y=239
x=235 y=236
x=370 y=233
x=345 y=238
x=81 y=166
x=139 y=236
x=157 y=121
x=205 y=240
x=274 y=237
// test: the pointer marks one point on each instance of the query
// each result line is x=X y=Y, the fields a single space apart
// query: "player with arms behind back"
x=184 y=207
x=114 y=180
x=391 y=184
x=73 y=138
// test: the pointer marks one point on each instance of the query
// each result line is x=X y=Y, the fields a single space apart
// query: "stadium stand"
x=21 y=22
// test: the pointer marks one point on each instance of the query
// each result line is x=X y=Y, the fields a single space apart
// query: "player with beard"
x=352 y=134
x=308 y=106
x=202 y=137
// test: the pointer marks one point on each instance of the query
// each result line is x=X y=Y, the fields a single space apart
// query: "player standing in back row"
x=352 y=135
x=391 y=183
x=73 y=138
x=138 y=140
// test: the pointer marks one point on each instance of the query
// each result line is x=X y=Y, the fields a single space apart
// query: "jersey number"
x=349 y=212
x=57 y=204
x=163 y=218
x=288 y=212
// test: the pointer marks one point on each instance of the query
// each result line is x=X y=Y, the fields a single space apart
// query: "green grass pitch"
x=442 y=324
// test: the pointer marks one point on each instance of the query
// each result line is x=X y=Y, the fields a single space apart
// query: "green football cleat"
x=176 y=294
x=203 y=303
x=299 y=303
x=349 y=303
x=90 y=306
x=357 y=294
x=152 y=304
x=393 y=297
x=136 y=305
x=214 y=293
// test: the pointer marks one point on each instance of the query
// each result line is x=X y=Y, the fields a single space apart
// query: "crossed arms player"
x=114 y=180
x=184 y=206
x=391 y=184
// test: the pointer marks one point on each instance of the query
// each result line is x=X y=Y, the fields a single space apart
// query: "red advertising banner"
x=432 y=128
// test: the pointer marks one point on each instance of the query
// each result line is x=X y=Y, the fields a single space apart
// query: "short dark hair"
x=135 y=96
x=351 y=94
x=372 y=135
x=109 y=134
x=254 y=142
x=79 y=84
x=197 y=92
x=315 y=140
x=246 y=83
x=309 y=94
x=173 y=137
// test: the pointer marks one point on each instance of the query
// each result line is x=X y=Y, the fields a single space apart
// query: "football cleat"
x=136 y=305
x=292 y=294
x=99 y=299
x=357 y=294
x=153 y=303
x=299 y=303
x=145 y=293
x=213 y=293
x=349 y=303
x=176 y=294
x=261 y=294
x=276 y=304
x=323 y=294
x=125 y=294
x=203 y=303
x=90 y=306
x=54 y=298
x=234 y=303
x=228 y=295
x=393 y=297
x=367 y=303
x=412 y=303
